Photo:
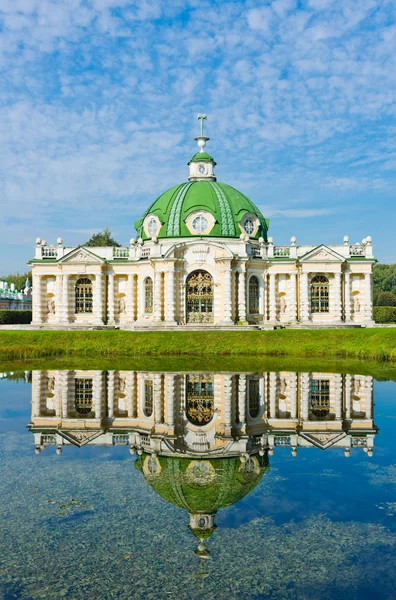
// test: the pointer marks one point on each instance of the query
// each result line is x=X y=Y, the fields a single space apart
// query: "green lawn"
x=372 y=344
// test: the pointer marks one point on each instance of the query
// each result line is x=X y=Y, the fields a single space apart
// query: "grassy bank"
x=367 y=344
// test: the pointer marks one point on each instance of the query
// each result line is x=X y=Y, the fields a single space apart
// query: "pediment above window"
x=82 y=256
x=322 y=253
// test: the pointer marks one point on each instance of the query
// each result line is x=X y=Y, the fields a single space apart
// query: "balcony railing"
x=357 y=250
x=281 y=251
x=145 y=252
x=48 y=252
x=120 y=252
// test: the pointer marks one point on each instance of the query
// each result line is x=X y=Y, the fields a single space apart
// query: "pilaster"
x=347 y=297
x=157 y=391
x=98 y=299
x=242 y=295
x=65 y=297
x=131 y=394
x=272 y=297
x=98 y=393
x=58 y=298
x=338 y=396
x=37 y=299
x=305 y=392
x=110 y=299
x=293 y=395
x=337 y=296
x=293 y=298
x=273 y=394
x=170 y=297
x=157 y=296
x=304 y=299
x=130 y=298
x=110 y=394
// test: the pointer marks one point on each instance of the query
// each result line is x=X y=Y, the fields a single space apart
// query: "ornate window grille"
x=319 y=294
x=83 y=396
x=199 y=399
x=148 y=398
x=84 y=295
x=199 y=296
x=254 y=295
x=148 y=295
x=248 y=226
x=320 y=397
x=254 y=398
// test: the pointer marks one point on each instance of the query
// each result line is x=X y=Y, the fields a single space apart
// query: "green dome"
x=202 y=485
x=201 y=156
x=223 y=202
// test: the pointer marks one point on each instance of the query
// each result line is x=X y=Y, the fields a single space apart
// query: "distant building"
x=12 y=299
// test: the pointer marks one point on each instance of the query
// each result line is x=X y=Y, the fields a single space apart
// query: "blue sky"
x=99 y=101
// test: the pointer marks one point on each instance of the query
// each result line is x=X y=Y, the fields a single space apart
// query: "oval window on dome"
x=248 y=226
x=200 y=224
x=152 y=227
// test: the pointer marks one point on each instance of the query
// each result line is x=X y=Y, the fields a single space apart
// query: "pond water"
x=151 y=485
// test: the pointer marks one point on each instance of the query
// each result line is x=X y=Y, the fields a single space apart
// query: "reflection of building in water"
x=216 y=414
x=203 y=439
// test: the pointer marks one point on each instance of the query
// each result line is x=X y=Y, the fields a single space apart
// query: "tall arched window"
x=83 y=396
x=254 y=295
x=199 y=399
x=148 y=398
x=84 y=295
x=199 y=297
x=319 y=294
x=148 y=295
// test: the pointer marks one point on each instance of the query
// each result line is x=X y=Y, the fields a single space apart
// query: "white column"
x=98 y=393
x=227 y=294
x=110 y=394
x=305 y=390
x=348 y=396
x=37 y=299
x=65 y=298
x=170 y=297
x=368 y=299
x=110 y=299
x=36 y=393
x=242 y=296
x=272 y=297
x=242 y=401
x=157 y=296
x=273 y=393
x=347 y=297
x=293 y=395
x=98 y=299
x=131 y=394
x=227 y=405
x=130 y=298
x=170 y=399
x=304 y=299
x=157 y=391
x=338 y=396
x=337 y=297
x=293 y=298
x=58 y=298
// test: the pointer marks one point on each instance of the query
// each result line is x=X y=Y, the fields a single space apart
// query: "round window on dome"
x=248 y=226
x=152 y=227
x=200 y=224
x=202 y=169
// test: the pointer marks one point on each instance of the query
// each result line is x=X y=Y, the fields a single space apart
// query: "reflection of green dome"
x=202 y=486
x=223 y=202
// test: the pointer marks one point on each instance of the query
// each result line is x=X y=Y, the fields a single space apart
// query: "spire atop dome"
x=202 y=139
x=202 y=164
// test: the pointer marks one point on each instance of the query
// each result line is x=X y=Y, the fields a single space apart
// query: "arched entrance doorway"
x=199 y=297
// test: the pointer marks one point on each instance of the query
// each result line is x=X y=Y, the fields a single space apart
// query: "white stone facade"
x=148 y=284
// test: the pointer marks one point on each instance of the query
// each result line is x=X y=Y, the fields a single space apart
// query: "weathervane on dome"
x=202 y=139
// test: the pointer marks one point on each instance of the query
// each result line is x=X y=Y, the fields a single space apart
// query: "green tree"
x=18 y=278
x=384 y=279
x=102 y=238
x=386 y=299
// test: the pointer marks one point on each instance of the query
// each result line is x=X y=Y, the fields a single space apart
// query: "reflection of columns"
x=110 y=394
x=170 y=296
x=337 y=297
x=293 y=395
x=158 y=418
x=58 y=394
x=305 y=390
x=97 y=299
x=242 y=295
x=110 y=299
x=272 y=297
x=65 y=393
x=37 y=299
x=170 y=398
x=65 y=298
x=347 y=297
x=338 y=396
x=131 y=394
x=98 y=393
x=348 y=396
x=273 y=393
x=292 y=298
x=369 y=396
x=36 y=395
x=368 y=308
x=227 y=282
x=304 y=300
x=130 y=299
x=227 y=404
x=157 y=296
x=58 y=297
x=242 y=401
